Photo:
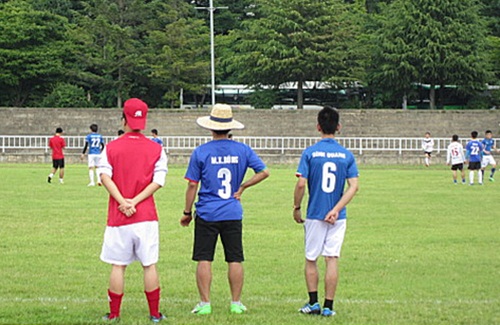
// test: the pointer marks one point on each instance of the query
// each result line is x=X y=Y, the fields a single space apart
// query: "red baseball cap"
x=135 y=111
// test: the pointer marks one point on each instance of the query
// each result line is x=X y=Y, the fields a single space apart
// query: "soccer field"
x=418 y=250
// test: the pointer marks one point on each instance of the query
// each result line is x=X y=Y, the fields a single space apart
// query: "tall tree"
x=34 y=47
x=430 y=42
x=295 y=41
x=179 y=58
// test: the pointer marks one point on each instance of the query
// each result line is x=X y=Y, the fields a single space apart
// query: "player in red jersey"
x=57 y=144
x=132 y=169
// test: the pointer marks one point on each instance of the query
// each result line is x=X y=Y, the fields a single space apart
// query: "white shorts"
x=94 y=160
x=125 y=244
x=322 y=238
x=488 y=160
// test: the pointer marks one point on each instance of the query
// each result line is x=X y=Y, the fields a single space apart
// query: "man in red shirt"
x=132 y=168
x=57 y=144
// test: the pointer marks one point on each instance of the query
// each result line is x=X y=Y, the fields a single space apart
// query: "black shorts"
x=205 y=240
x=457 y=167
x=58 y=163
x=428 y=153
x=474 y=165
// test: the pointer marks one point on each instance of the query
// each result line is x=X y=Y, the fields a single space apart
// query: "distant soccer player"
x=220 y=165
x=57 y=144
x=325 y=168
x=428 y=146
x=132 y=169
x=155 y=138
x=473 y=158
x=455 y=157
x=488 y=159
x=95 y=143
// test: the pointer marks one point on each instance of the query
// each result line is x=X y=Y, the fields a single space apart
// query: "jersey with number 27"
x=94 y=140
x=220 y=166
x=326 y=166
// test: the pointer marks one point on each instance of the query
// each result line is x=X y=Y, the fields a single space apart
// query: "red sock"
x=154 y=302
x=115 y=302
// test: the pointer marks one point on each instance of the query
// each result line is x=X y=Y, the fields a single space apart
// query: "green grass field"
x=418 y=250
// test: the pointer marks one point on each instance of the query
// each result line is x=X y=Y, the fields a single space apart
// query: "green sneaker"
x=492 y=179
x=202 y=309
x=238 y=308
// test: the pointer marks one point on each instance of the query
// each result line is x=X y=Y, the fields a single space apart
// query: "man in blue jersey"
x=95 y=143
x=473 y=157
x=488 y=159
x=325 y=168
x=220 y=166
x=155 y=138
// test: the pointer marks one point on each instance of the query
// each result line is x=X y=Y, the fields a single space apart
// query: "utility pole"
x=211 y=9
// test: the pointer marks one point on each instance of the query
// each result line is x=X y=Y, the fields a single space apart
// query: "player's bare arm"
x=352 y=189
x=125 y=206
x=192 y=189
x=298 y=195
x=256 y=179
x=144 y=194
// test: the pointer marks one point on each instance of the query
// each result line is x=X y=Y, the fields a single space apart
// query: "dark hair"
x=154 y=131
x=120 y=132
x=473 y=134
x=428 y=133
x=221 y=132
x=488 y=131
x=454 y=137
x=59 y=130
x=230 y=135
x=328 y=120
x=94 y=127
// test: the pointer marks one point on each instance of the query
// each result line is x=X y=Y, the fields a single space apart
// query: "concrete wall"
x=356 y=123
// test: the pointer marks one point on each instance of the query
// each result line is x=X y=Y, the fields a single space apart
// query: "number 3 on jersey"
x=328 y=178
x=225 y=175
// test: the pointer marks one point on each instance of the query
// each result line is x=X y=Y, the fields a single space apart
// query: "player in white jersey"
x=455 y=157
x=428 y=146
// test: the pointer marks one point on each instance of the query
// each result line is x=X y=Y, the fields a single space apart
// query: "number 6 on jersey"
x=328 y=178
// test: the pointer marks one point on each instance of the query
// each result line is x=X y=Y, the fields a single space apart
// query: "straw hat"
x=221 y=118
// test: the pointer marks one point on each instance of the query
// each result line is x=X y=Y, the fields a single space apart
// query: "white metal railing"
x=282 y=145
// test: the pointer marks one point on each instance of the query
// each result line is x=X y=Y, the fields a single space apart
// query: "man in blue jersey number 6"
x=325 y=168
x=220 y=166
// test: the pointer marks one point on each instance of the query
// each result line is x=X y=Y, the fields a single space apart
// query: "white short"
x=488 y=160
x=125 y=244
x=94 y=160
x=322 y=238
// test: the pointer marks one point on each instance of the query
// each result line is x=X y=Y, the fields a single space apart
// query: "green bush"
x=67 y=95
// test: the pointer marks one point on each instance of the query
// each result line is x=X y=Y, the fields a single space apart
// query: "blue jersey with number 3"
x=220 y=166
x=94 y=140
x=326 y=165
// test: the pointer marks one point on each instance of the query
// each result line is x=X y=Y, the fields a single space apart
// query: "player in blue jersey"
x=154 y=133
x=488 y=159
x=325 y=168
x=473 y=157
x=220 y=166
x=95 y=143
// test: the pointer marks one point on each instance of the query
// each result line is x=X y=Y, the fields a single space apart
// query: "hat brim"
x=206 y=123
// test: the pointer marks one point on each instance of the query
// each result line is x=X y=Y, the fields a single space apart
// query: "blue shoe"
x=327 y=312
x=157 y=319
x=311 y=309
